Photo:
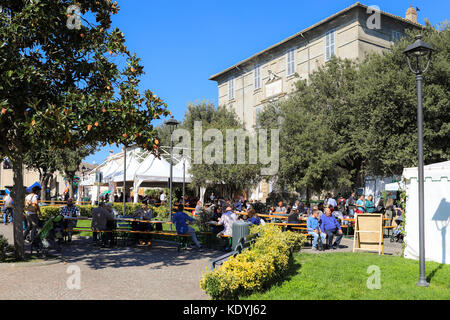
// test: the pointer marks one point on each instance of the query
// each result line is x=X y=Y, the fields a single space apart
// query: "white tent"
x=132 y=166
x=394 y=186
x=436 y=215
x=153 y=169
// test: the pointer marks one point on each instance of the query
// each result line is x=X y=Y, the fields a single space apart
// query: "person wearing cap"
x=31 y=211
x=70 y=214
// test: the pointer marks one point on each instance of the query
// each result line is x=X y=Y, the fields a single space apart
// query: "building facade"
x=271 y=74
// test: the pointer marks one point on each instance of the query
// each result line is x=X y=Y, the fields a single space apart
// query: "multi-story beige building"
x=271 y=74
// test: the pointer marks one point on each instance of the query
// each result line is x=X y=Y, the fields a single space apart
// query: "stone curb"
x=30 y=264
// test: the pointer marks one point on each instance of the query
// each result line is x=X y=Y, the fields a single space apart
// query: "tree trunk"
x=308 y=194
x=18 y=196
x=70 y=179
x=44 y=183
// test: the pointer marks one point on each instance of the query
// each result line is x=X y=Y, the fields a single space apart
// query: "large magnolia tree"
x=68 y=80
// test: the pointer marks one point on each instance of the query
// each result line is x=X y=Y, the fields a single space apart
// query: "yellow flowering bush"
x=256 y=268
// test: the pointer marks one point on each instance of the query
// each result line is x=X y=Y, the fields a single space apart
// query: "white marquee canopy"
x=141 y=167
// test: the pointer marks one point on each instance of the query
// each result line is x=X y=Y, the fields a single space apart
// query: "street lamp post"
x=418 y=55
x=172 y=123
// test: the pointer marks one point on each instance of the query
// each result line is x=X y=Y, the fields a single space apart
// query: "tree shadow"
x=159 y=255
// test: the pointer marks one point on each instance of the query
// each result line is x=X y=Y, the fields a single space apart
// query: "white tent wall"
x=436 y=215
x=375 y=185
x=153 y=169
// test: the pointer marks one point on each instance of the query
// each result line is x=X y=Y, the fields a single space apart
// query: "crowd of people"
x=323 y=221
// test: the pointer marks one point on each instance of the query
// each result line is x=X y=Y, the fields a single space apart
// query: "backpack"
x=29 y=204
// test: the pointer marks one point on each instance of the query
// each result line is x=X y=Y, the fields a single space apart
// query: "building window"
x=396 y=36
x=257 y=77
x=231 y=89
x=290 y=67
x=330 y=44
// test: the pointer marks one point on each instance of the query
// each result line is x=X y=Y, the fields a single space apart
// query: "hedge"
x=160 y=212
x=254 y=269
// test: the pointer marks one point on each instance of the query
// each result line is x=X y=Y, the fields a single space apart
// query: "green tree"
x=231 y=177
x=387 y=101
x=65 y=86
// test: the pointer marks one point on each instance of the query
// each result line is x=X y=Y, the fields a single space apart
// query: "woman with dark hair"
x=253 y=217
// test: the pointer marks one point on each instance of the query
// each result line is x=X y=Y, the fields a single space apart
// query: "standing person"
x=179 y=219
x=198 y=208
x=331 y=201
x=7 y=209
x=72 y=212
x=312 y=227
x=162 y=198
x=212 y=197
x=350 y=205
x=31 y=211
x=330 y=227
x=341 y=202
x=369 y=205
x=360 y=205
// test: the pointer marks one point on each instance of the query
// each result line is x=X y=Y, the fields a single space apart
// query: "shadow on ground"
x=159 y=255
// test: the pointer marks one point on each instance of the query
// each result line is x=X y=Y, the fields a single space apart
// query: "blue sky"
x=183 y=43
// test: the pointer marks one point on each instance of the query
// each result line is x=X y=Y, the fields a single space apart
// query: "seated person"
x=227 y=219
x=70 y=212
x=281 y=208
x=144 y=213
x=312 y=227
x=215 y=218
x=180 y=220
x=338 y=214
x=330 y=227
x=252 y=217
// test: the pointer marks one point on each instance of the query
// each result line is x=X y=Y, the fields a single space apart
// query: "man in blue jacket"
x=179 y=219
x=312 y=226
x=330 y=227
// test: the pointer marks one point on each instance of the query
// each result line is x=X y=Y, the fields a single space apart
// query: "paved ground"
x=156 y=272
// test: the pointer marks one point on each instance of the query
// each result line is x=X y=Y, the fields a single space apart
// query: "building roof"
x=357 y=4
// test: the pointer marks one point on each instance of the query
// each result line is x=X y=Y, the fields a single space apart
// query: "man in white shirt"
x=162 y=198
x=331 y=201
x=227 y=219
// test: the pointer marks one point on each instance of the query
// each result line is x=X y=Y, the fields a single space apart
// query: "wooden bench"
x=244 y=244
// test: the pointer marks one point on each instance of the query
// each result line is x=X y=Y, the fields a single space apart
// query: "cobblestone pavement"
x=158 y=272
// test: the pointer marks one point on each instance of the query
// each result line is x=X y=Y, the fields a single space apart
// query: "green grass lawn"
x=343 y=276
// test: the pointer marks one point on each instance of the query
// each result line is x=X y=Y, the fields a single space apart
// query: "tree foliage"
x=68 y=87
x=352 y=119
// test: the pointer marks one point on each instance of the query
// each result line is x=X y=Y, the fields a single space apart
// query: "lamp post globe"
x=418 y=56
